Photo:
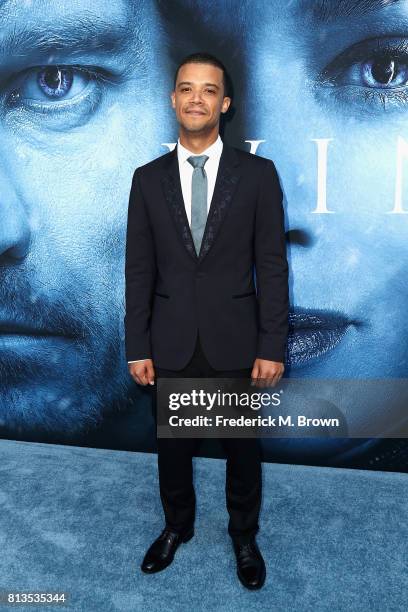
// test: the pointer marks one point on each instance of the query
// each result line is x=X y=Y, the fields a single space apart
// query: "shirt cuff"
x=136 y=360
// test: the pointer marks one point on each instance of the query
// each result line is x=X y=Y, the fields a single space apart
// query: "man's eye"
x=55 y=82
x=51 y=83
x=372 y=72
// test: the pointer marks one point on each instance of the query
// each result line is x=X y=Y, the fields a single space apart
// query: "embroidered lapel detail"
x=174 y=196
x=227 y=180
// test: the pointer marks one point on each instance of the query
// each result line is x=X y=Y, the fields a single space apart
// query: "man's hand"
x=268 y=372
x=142 y=372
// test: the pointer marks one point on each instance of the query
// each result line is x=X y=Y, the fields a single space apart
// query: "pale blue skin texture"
x=353 y=261
x=66 y=167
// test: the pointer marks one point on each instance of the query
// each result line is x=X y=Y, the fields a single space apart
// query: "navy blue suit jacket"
x=235 y=292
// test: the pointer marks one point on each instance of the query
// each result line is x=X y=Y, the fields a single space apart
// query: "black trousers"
x=243 y=487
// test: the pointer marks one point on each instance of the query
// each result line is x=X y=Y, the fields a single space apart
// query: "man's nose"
x=15 y=230
x=196 y=96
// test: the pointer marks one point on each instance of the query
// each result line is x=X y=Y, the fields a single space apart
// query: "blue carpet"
x=79 y=520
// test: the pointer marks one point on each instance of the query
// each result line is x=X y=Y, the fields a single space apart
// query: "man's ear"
x=173 y=99
x=225 y=104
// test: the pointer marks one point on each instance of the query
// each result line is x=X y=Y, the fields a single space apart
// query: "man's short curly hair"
x=207 y=58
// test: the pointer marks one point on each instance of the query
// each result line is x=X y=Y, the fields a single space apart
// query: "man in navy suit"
x=201 y=219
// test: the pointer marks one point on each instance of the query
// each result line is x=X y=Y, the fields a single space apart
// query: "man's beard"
x=63 y=384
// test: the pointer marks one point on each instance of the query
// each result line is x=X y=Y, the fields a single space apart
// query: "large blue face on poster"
x=77 y=114
x=85 y=99
x=328 y=83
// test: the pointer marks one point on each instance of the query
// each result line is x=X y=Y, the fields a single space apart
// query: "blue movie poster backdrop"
x=320 y=87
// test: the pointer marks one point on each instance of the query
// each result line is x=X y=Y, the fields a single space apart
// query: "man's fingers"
x=150 y=374
x=276 y=378
x=268 y=378
x=140 y=377
x=255 y=372
x=142 y=372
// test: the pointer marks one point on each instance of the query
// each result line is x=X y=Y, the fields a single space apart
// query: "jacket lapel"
x=227 y=180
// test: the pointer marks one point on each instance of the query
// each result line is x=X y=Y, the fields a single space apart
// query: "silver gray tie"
x=198 y=199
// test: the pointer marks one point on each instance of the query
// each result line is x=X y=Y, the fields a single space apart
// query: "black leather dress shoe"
x=250 y=564
x=161 y=552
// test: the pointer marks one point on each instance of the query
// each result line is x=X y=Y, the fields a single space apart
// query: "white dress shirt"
x=186 y=175
x=186 y=171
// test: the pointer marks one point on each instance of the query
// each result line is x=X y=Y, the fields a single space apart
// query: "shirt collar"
x=214 y=150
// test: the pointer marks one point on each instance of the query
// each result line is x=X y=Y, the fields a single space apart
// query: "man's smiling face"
x=199 y=97
x=77 y=114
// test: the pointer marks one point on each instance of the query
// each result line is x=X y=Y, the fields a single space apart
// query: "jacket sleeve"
x=271 y=268
x=140 y=275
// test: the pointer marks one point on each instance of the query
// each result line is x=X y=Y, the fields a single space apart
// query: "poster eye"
x=372 y=74
x=54 y=83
